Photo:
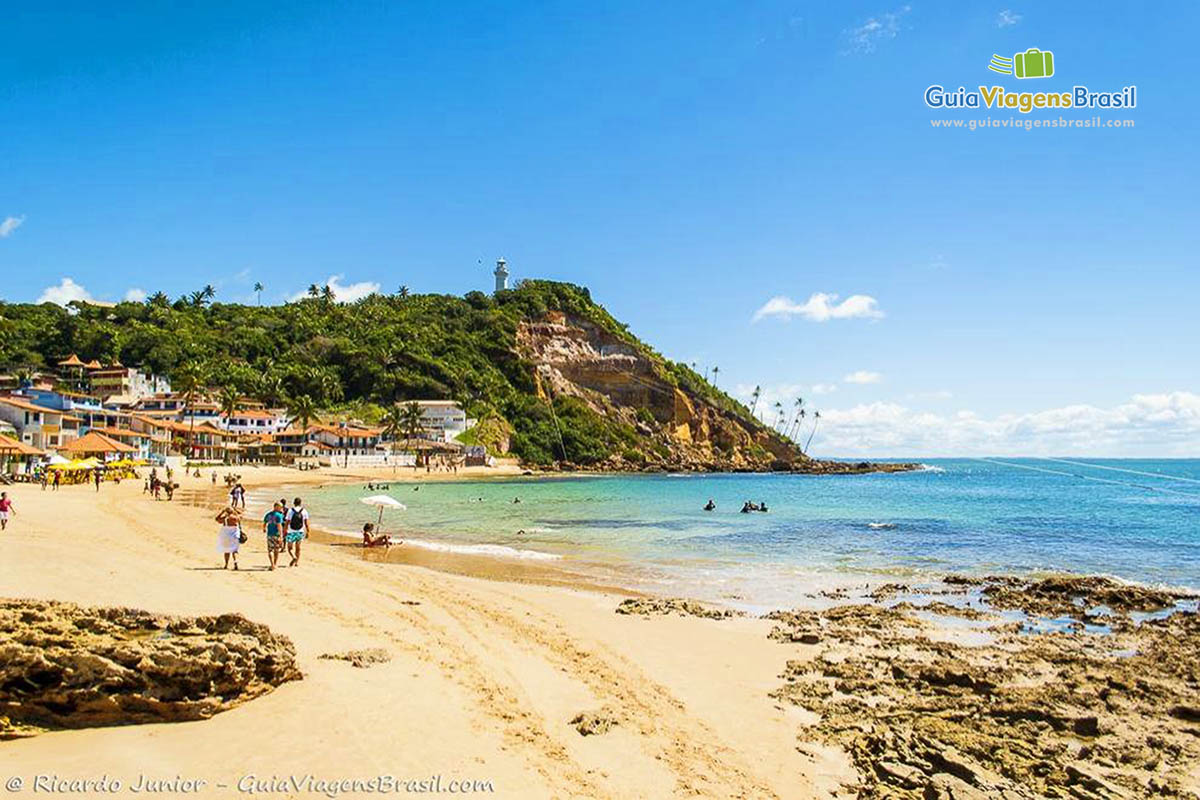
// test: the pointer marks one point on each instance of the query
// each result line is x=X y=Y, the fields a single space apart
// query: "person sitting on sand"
x=372 y=539
x=710 y=505
x=273 y=528
x=229 y=537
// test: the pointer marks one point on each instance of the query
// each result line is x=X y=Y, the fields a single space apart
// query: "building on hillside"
x=38 y=426
x=347 y=438
x=443 y=420
x=291 y=442
x=126 y=383
x=254 y=421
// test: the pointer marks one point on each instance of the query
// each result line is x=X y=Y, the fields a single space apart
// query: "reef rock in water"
x=63 y=666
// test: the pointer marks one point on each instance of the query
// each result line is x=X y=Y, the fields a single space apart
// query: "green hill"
x=542 y=366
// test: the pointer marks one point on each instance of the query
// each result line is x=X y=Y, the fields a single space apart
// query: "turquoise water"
x=1134 y=519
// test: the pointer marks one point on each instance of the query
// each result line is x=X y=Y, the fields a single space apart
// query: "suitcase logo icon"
x=1033 y=63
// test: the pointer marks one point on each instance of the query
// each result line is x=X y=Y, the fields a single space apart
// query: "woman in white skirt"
x=229 y=538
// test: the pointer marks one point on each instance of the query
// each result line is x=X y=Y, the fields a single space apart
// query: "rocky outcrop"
x=682 y=430
x=1018 y=715
x=663 y=606
x=63 y=666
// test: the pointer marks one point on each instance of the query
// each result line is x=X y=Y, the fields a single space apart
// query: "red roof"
x=8 y=445
x=71 y=361
x=94 y=442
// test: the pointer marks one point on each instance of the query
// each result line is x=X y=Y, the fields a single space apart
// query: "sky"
x=755 y=186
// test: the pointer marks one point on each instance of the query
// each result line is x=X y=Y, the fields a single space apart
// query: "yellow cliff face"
x=576 y=357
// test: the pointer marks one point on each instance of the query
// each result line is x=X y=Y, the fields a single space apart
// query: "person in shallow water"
x=710 y=505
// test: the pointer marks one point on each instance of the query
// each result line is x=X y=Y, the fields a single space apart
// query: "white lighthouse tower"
x=501 y=274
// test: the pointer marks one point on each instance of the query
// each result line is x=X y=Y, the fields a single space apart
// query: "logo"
x=1033 y=63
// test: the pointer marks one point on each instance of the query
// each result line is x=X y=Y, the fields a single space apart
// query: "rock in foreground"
x=63 y=666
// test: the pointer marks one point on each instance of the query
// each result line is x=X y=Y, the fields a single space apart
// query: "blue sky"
x=1022 y=291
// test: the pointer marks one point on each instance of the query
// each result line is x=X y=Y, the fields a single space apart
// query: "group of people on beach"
x=284 y=527
x=155 y=486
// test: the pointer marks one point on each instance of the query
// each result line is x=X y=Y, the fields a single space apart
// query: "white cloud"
x=865 y=38
x=135 y=295
x=863 y=376
x=1163 y=425
x=63 y=293
x=9 y=225
x=343 y=292
x=821 y=307
x=1007 y=18
x=824 y=388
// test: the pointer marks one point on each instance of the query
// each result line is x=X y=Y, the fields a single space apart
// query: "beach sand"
x=484 y=677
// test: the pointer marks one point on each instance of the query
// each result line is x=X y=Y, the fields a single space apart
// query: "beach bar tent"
x=97 y=444
x=15 y=454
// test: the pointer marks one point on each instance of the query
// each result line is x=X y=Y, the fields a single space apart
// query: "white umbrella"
x=383 y=501
x=57 y=459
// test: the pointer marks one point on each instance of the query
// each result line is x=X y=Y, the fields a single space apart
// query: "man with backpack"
x=297 y=530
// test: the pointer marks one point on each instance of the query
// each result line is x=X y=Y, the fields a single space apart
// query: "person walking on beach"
x=229 y=537
x=273 y=528
x=237 y=496
x=6 y=508
x=57 y=479
x=98 y=476
x=297 y=530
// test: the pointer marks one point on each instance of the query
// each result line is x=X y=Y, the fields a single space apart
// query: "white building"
x=255 y=420
x=43 y=428
x=443 y=420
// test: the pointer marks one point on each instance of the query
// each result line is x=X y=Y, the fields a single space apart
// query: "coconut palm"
x=794 y=428
x=816 y=420
x=327 y=294
x=190 y=380
x=716 y=370
x=757 y=393
x=314 y=290
x=229 y=401
x=258 y=290
x=208 y=291
x=268 y=389
x=301 y=409
x=403 y=292
x=410 y=420
x=779 y=416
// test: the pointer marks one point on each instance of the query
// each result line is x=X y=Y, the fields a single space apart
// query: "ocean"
x=1138 y=520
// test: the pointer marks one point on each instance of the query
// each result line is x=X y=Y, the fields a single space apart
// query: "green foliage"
x=363 y=358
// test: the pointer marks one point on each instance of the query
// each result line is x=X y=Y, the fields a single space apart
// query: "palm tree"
x=314 y=290
x=816 y=420
x=410 y=419
x=191 y=379
x=258 y=290
x=757 y=393
x=715 y=371
x=301 y=408
x=403 y=292
x=229 y=401
x=327 y=294
x=159 y=299
x=779 y=416
x=393 y=424
x=208 y=291
x=793 y=428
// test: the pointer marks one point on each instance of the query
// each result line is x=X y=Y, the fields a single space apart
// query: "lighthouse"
x=501 y=274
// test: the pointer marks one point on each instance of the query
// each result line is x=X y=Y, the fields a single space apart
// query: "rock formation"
x=63 y=666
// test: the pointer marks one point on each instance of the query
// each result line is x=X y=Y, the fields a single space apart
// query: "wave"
x=492 y=550
x=932 y=468
x=884 y=526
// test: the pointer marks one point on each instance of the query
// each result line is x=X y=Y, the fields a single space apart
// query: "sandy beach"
x=484 y=680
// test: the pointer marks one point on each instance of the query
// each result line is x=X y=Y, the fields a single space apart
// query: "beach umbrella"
x=56 y=460
x=382 y=501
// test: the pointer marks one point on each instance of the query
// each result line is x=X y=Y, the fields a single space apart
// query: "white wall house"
x=255 y=420
x=43 y=428
x=442 y=420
